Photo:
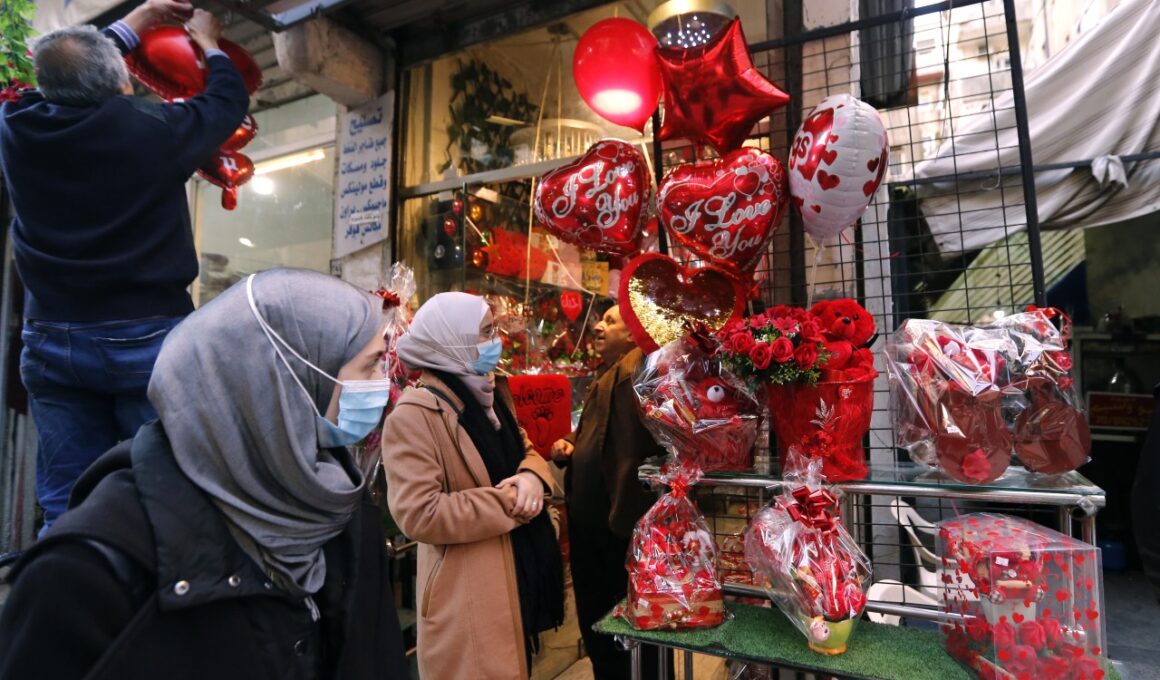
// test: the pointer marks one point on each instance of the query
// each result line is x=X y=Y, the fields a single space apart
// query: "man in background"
x=605 y=499
x=102 y=233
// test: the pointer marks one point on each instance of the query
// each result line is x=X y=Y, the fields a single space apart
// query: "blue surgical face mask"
x=360 y=402
x=489 y=353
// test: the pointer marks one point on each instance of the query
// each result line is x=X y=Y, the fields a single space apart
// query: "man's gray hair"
x=78 y=65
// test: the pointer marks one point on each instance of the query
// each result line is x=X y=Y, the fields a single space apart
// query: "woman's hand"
x=529 y=494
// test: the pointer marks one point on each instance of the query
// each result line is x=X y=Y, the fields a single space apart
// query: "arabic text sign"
x=362 y=192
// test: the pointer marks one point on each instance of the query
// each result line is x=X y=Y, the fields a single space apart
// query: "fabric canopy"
x=1095 y=101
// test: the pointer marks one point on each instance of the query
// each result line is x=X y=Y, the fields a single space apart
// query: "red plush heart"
x=243 y=135
x=726 y=211
x=228 y=170
x=172 y=66
x=598 y=201
x=543 y=408
x=658 y=298
x=572 y=304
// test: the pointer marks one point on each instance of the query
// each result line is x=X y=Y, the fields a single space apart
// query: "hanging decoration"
x=572 y=304
x=726 y=211
x=243 y=135
x=615 y=69
x=713 y=94
x=659 y=299
x=598 y=201
x=837 y=161
x=228 y=170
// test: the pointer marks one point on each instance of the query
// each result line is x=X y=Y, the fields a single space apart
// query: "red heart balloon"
x=572 y=304
x=228 y=170
x=172 y=66
x=243 y=135
x=726 y=211
x=658 y=297
x=597 y=202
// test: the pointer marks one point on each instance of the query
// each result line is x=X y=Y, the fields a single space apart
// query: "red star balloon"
x=713 y=94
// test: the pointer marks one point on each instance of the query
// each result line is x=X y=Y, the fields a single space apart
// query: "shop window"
x=284 y=214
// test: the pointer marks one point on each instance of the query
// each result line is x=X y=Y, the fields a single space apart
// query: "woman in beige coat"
x=463 y=481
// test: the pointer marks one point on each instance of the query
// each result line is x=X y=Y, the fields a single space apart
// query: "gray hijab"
x=246 y=434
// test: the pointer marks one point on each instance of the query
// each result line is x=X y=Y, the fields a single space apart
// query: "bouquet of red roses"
x=779 y=346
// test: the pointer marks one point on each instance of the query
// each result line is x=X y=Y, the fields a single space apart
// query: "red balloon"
x=228 y=170
x=615 y=69
x=598 y=201
x=659 y=298
x=169 y=63
x=726 y=211
x=572 y=304
x=243 y=135
x=713 y=94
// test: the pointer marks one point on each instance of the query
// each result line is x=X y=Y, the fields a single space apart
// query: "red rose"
x=782 y=350
x=760 y=355
x=1004 y=636
x=1052 y=668
x=1086 y=668
x=1033 y=635
x=1052 y=632
x=978 y=629
x=742 y=342
x=1023 y=660
x=1062 y=359
x=806 y=356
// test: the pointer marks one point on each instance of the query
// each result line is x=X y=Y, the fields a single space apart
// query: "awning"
x=1095 y=106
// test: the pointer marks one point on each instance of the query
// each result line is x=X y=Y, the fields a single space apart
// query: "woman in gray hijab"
x=231 y=538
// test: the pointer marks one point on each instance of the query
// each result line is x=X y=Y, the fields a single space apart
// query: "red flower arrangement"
x=779 y=346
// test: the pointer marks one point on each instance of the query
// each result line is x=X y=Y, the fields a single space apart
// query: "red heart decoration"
x=543 y=408
x=228 y=170
x=172 y=66
x=828 y=181
x=726 y=211
x=598 y=201
x=572 y=304
x=243 y=135
x=658 y=297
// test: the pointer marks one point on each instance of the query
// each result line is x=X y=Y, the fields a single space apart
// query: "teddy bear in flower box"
x=1026 y=602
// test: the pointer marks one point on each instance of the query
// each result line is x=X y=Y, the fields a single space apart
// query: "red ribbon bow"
x=813 y=508
x=390 y=298
x=1055 y=313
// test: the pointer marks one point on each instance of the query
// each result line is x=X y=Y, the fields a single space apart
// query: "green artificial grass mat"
x=764 y=635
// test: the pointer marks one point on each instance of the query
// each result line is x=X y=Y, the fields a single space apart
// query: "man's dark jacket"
x=98 y=597
x=102 y=229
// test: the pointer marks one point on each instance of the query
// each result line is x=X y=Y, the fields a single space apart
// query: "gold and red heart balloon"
x=837 y=161
x=228 y=170
x=597 y=202
x=169 y=63
x=659 y=299
x=726 y=211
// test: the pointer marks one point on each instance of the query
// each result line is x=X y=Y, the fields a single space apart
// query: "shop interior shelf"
x=1017 y=485
x=764 y=635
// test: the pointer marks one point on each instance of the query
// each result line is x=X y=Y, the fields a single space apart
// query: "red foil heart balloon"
x=726 y=211
x=659 y=298
x=168 y=63
x=597 y=202
x=572 y=304
x=243 y=135
x=228 y=170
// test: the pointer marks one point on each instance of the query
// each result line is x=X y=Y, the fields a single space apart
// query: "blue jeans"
x=87 y=391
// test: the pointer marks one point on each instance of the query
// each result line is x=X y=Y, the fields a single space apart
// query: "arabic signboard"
x=362 y=192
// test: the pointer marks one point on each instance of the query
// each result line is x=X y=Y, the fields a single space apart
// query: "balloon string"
x=819 y=248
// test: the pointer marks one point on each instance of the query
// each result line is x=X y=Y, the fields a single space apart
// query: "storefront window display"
x=479 y=128
x=284 y=214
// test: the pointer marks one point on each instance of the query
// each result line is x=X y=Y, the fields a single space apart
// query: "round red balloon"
x=598 y=201
x=172 y=66
x=616 y=71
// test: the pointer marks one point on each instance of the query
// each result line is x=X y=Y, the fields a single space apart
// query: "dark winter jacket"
x=142 y=579
x=611 y=443
x=102 y=229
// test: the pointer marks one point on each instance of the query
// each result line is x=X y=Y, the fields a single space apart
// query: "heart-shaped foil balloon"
x=228 y=170
x=726 y=211
x=173 y=67
x=572 y=304
x=243 y=135
x=659 y=298
x=597 y=202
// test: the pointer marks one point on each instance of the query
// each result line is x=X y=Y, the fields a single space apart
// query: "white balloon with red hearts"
x=836 y=163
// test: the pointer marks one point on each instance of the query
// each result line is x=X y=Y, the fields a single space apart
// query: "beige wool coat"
x=440 y=495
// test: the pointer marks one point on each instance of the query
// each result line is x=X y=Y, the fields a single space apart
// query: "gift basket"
x=672 y=577
x=698 y=409
x=817 y=573
x=1026 y=600
x=966 y=398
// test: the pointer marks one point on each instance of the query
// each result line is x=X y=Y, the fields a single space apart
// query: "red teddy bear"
x=847 y=328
